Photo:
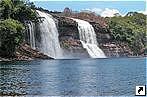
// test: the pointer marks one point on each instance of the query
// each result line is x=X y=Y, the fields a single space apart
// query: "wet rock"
x=4 y=59
x=69 y=35
x=114 y=49
x=25 y=52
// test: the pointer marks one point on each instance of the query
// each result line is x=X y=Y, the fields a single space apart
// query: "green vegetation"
x=18 y=10
x=11 y=34
x=13 y=15
x=130 y=29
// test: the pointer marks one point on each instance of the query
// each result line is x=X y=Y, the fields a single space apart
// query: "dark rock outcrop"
x=68 y=29
x=68 y=32
x=69 y=36
x=114 y=49
x=4 y=59
x=25 y=52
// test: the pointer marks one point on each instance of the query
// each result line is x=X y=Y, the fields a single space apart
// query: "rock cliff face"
x=114 y=49
x=25 y=52
x=69 y=36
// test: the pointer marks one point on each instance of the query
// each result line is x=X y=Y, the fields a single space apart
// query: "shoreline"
x=12 y=60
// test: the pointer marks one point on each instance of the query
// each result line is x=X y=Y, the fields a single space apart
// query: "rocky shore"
x=25 y=52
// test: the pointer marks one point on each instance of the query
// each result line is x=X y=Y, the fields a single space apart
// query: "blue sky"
x=100 y=7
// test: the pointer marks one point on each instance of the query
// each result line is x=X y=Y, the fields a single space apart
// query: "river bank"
x=25 y=53
x=31 y=59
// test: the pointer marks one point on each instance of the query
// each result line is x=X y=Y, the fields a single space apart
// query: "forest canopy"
x=130 y=29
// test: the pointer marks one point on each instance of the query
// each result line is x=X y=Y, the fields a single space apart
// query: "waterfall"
x=49 y=36
x=31 y=34
x=88 y=39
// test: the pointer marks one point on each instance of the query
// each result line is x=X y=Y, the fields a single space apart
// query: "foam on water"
x=88 y=39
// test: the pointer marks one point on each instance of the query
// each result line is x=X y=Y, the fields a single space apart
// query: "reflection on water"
x=87 y=77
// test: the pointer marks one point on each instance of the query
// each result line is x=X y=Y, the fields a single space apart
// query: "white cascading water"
x=49 y=36
x=88 y=39
x=31 y=34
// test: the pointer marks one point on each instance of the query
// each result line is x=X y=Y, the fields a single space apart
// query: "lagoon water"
x=84 y=77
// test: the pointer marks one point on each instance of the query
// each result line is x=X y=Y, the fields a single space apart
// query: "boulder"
x=25 y=52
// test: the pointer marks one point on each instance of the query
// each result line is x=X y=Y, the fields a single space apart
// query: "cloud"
x=107 y=12
x=96 y=10
x=144 y=12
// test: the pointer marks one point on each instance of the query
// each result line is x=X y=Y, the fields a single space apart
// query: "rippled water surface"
x=86 y=77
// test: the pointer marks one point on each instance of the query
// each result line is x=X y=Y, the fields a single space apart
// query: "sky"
x=103 y=8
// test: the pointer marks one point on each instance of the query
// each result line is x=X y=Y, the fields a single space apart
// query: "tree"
x=23 y=13
x=17 y=9
x=11 y=34
x=130 y=29
x=6 y=8
x=13 y=14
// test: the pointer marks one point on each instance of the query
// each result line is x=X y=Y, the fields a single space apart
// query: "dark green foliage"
x=11 y=34
x=130 y=29
x=23 y=13
x=5 y=9
x=13 y=15
x=18 y=10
